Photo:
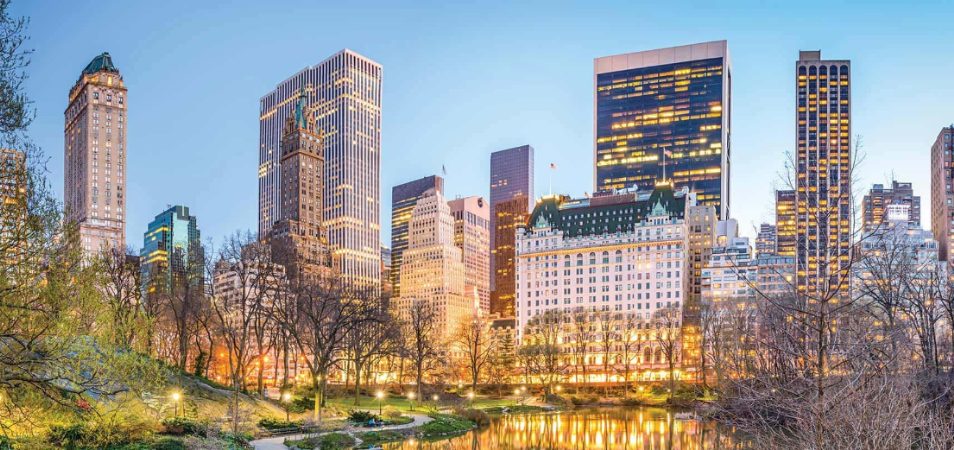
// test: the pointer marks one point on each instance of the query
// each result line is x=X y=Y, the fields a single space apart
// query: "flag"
x=444 y=170
x=553 y=166
x=668 y=153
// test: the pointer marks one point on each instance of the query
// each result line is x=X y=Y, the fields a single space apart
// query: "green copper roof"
x=301 y=121
x=103 y=62
x=606 y=213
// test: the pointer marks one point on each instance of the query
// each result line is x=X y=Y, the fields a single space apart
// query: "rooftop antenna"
x=553 y=168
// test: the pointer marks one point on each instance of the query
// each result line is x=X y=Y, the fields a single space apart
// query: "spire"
x=300 y=120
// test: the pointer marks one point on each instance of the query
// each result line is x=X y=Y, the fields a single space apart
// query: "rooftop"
x=102 y=62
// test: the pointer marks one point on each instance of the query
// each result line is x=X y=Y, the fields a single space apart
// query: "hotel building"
x=665 y=114
x=823 y=174
x=620 y=255
x=511 y=197
x=472 y=237
x=94 y=163
x=343 y=93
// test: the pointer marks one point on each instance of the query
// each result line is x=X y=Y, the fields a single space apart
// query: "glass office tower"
x=665 y=114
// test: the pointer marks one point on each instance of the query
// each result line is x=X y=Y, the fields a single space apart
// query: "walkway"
x=277 y=443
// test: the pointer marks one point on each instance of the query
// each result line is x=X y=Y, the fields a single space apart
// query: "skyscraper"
x=95 y=156
x=299 y=236
x=877 y=201
x=942 y=193
x=172 y=251
x=343 y=93
x=511 y=197
x=472 y=237
x=433 y=268
x=823 y=173
x=766 y=243
x=665 y=114
x=403 y=198
x=786 y=237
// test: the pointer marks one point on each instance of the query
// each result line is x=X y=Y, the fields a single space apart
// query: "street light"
x=516 y=396
x=176 y=396
x=436 y=399
x=470 y=396
x=380 y=396
x=286 y=397
x=410 y=397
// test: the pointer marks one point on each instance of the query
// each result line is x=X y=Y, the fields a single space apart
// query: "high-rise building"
x=386 y=272
x=942 y=192
x=701 y=227
x=472 y=237
x=511 y=197
x=823 y=173
x=665 y=114
x=94 y=163
x=876 y=203
x=298 y=238
x=13 y=204
x=433 y=267
x=619 y=256
x=172 y=253
x=766 y=243
x=403 y=199
x=343 y=93
x=787 y=240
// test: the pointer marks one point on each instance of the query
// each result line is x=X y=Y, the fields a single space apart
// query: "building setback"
x=665 y=114
x=403 y=198
x=877 y=201
x=942 y=193
x=472 y=237
x=511 y=197
x=823 y=172
x=95 y=156
x=343 y=93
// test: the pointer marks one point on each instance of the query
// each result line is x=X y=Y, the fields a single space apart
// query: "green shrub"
x=444 y=424
x=271 y=424
x=359 y=416
x=330 y=441
x=391 y=412
x=377 y=437
x=179 y=426
x=476 y=416
x=97 y=436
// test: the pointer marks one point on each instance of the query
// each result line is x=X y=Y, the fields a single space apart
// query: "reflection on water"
x=605 y=428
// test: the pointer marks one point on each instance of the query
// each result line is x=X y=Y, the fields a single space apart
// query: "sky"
x=463 y=79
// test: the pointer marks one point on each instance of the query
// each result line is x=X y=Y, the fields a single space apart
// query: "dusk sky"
x=461 y=81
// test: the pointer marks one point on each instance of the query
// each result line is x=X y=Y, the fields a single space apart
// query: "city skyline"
x=231 y=148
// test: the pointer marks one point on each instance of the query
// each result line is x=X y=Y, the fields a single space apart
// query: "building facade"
x=172 y=255
x=403 y=199
x=942 y=193
x=433 y=267
x=511 y=197
x=13 y=204
x=94 y=186
x=343 y=93
x=766 y=242
x=619 y=257
x=298 y=238
x=823 y=161
x=472 y=237
x=877 y=201
x=786 y=231
x=663 y=114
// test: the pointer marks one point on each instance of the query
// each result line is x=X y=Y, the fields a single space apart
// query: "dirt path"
x=277 y=443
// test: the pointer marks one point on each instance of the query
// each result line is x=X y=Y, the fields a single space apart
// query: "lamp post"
x=516 y=396
x=380 y=396
x=176 y=396
x=410 y=397
x=436 y=399
x=286 y=397
x=470 y=396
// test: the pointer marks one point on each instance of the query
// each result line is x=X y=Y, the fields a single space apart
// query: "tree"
x=580 y=334
x=667 y=334
x=630 y=346
x=476 y=345
x=422 y=339
x=122 y=290
x=374 y=335
x=606 y=328
x=540 y=347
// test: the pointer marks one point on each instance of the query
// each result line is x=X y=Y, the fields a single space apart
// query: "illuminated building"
x=702 y=224
x=343 y=92
x=172 y=251
x=877 y=201
x=665 y=114
x=511 y=197
x=823 y=174
x=403 y=198
x=618 y=256
x=942 y=193
x=94 y=163
x=472 y=237
x=13 y=203
x=433 y=266
x=298 y=238
x=786 y=238
x=766 y=243
x=386 y=271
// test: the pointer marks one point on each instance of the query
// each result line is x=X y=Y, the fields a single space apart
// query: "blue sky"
x=462 y=80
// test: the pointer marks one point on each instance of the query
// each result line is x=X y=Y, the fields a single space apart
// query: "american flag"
x=553 y=166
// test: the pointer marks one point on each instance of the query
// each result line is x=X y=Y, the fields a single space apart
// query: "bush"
x=474 y=415
x=330 y=441
x=272 y=424
x=444 y=424
x=359 y=416
x=377 y=437
x=391 y=412
x=179 y=426
x=97 y=436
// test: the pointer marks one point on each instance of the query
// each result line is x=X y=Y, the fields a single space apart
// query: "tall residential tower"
x=942 y=192
x=665 y=114
x=95 y=156
x=343 y=93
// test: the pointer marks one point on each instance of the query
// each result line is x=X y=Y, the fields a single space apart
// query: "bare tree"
x=541 y=349
x=667 y=336
x=580 y=333
x=476 y=345
x=423 y=339
x=122 y=290
x=371 y=337
x=630 y=346
x=606 y=333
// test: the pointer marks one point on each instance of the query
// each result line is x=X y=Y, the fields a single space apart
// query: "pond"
x=604 y=428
